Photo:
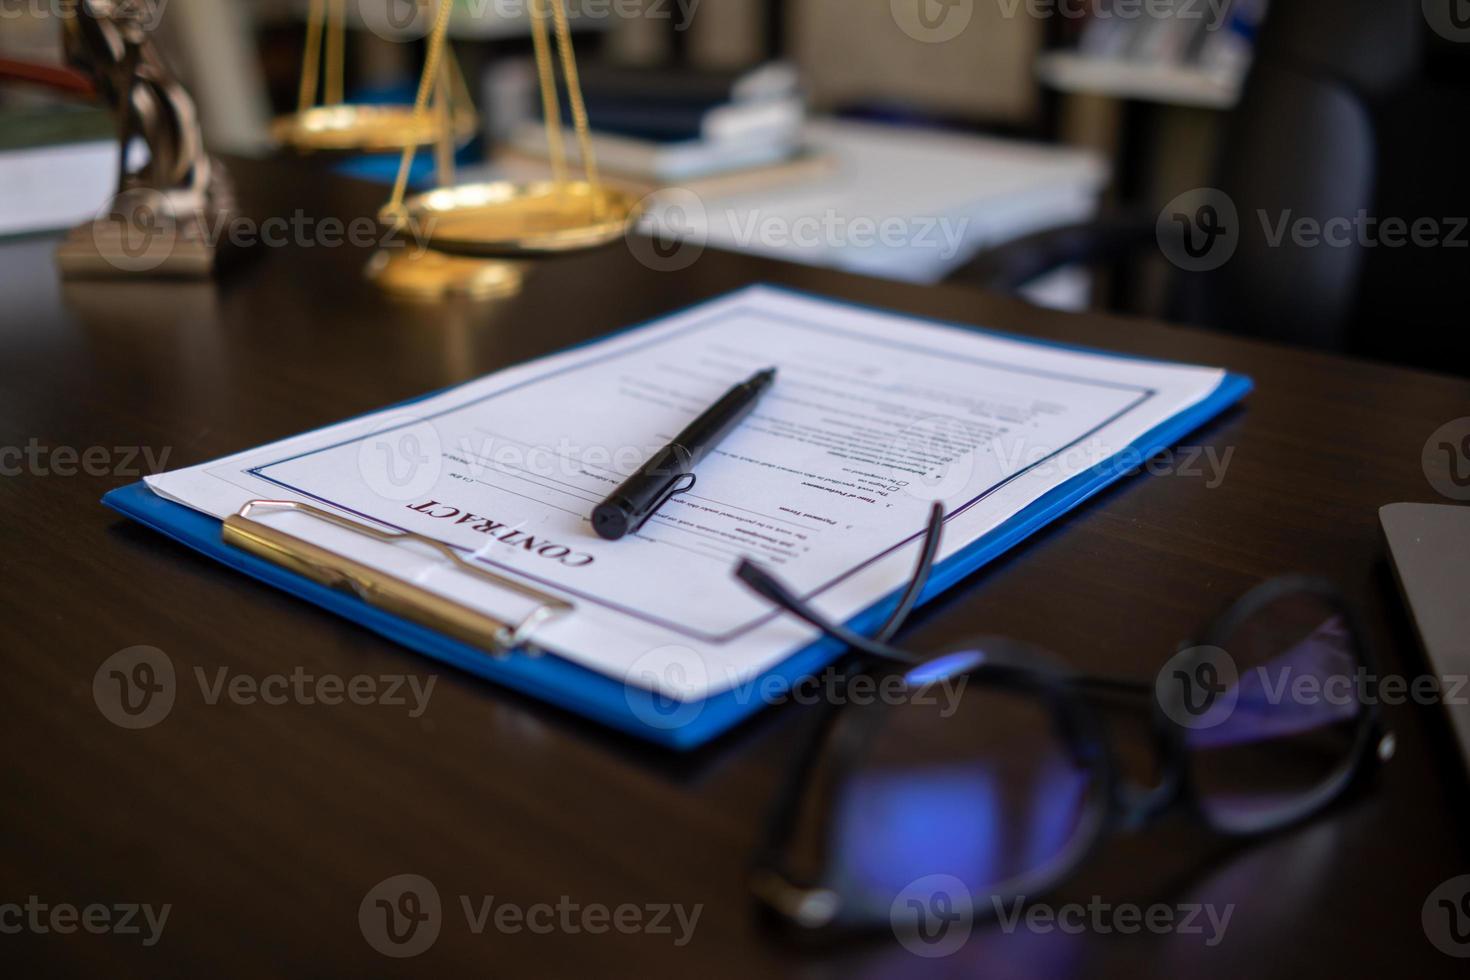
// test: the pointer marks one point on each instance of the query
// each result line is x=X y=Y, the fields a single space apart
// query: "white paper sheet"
x=828 y=483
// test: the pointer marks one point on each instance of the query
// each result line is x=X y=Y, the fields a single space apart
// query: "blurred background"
x=1289 y=170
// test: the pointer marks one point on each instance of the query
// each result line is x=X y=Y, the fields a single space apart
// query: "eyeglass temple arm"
x=773 y=590
x=925 y=564
x=767 y=586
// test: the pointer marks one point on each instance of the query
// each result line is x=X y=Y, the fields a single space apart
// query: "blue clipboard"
x=675 y=724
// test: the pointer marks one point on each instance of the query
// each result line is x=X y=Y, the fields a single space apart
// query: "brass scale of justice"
x=464 y=227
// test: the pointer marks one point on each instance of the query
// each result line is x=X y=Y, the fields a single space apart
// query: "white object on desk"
x=902 y=203
x=45 y=188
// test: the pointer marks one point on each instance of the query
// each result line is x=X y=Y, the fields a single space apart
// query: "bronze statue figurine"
x=169 y=205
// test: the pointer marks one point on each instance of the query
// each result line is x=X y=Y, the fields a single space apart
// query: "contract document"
x=828 y=483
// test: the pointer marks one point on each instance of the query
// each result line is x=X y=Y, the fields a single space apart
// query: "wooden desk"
x=264 y=827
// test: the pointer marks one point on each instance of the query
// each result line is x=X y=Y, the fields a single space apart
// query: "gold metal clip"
x=387 y=592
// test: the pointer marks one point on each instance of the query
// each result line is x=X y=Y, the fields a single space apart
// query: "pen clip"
x=671 y=491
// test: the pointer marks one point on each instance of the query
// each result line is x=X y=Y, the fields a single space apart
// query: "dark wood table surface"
x=263 y=827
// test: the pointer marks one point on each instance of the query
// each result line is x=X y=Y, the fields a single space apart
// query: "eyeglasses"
x=993 y=777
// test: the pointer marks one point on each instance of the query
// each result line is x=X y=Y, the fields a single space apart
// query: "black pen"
x=669 y=471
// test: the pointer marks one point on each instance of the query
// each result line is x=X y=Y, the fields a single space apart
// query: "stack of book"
x=660 y=127
x=58 y=167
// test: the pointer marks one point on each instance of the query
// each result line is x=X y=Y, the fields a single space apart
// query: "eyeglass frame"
x=814 y=906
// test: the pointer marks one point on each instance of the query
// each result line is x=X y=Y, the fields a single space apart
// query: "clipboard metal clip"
x=388 y=592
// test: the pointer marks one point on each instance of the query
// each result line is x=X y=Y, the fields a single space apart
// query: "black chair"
x=1353 y=109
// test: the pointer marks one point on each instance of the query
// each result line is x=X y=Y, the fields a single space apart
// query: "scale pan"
x=371 y=128
x=504 y=218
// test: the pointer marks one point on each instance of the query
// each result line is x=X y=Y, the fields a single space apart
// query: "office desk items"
x=166 y=199
x=1429 y=546
x=669 y=471
x=961 y=194
x=1012 y=769
x=338 y=126
x=827 y=206
x=504 y=218
x=829 y=481
x=667 y=126
x=1112 y=585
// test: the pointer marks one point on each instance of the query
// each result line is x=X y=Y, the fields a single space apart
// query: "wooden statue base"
x=119 y=247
